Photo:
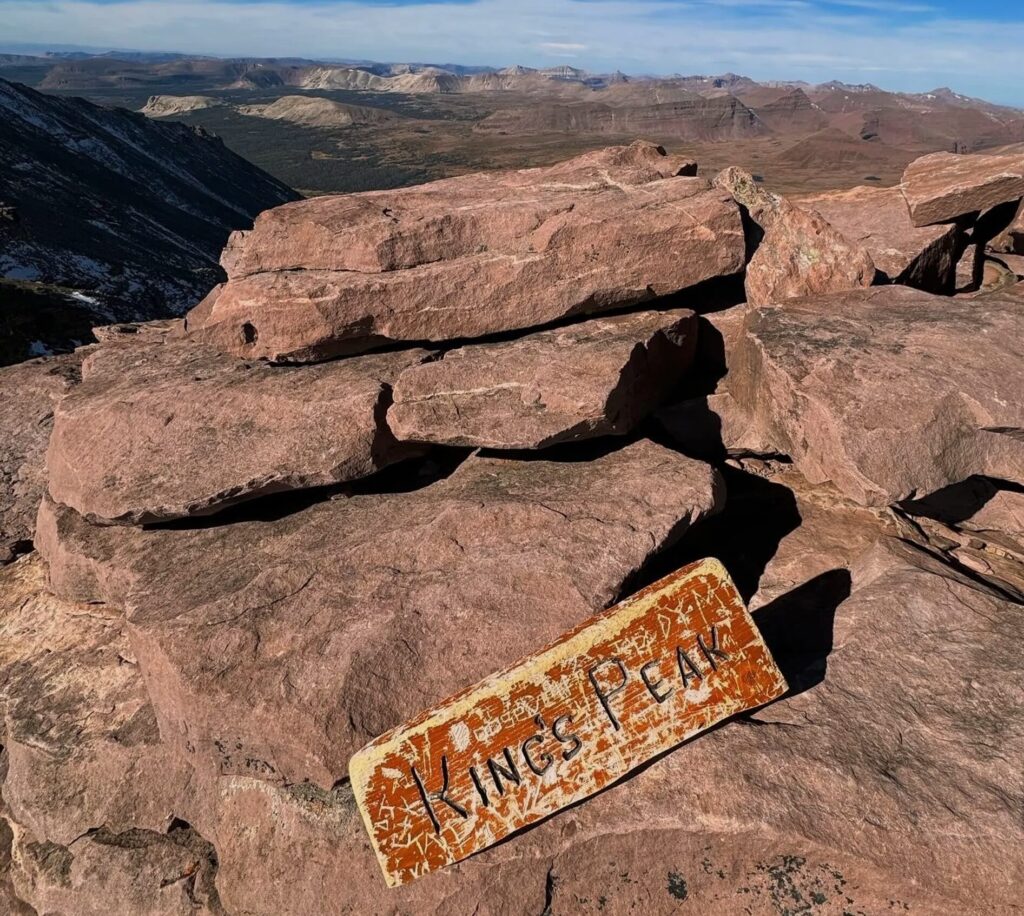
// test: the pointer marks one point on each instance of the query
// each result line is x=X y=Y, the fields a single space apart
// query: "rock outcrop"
x=931 y=766
x=467 y=257
x=879 y=220
x=945 y=186
x=887 y=392
x=180 y=693
x=167 y=428
x=167 y=106
x=803 y=255
x=595 y=378
x=340 y=601
x=312 y=111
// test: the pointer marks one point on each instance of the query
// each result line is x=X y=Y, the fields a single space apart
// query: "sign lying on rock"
x=623 y=687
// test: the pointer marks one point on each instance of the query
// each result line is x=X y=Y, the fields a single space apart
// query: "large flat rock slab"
x=381 y=231
x=887 y=393
x=879 y=220
x=945 y=186
x=468 y=257
x=168 y=428
x=29 y=392
x=276 y=648
x=594 y=378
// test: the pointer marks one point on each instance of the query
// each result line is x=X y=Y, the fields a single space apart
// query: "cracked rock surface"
x=594 y=378
x=887 y=393
x=28 y=394
x=276 y=646
x=804 y=255
x=469 y=256
x=167 y=429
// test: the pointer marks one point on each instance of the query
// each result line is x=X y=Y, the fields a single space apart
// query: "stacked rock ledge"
x=182 y=684
x=469 y=257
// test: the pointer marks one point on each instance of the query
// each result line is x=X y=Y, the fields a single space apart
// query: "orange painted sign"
x=624 y=686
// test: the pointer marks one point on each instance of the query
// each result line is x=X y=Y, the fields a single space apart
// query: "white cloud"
x=766 y=39
x=562 y=47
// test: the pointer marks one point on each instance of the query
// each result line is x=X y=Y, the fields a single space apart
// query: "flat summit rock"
x=470 y=256
x=381 y=231
x=167 y=428
x=879 y=220
x=906 y=798
x=277 y=647
x=888 y=392
x=944 y=186
x=594 y=378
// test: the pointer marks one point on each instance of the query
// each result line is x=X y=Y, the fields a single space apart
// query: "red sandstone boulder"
x=803 y=255
x=165 y=428
x=878 y=220
x=28 y=394
x=470 y=256
x=277 y=648
x=886 y=393
x=595 y=378
x=945 y=186
x=763 y=205
x=382 y=231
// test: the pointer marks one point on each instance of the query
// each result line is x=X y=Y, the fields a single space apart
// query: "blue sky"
x=915 y=45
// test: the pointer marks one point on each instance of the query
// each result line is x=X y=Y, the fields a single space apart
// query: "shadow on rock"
x=798 y=628
x=745 y=535
x=957 y=502
x=404 y=477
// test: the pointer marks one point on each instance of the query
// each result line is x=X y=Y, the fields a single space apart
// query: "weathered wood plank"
x=624 y=686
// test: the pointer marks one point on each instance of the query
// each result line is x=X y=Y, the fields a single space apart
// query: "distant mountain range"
x=567 y=99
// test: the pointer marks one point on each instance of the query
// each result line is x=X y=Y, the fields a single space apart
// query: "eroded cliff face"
x=243 y=570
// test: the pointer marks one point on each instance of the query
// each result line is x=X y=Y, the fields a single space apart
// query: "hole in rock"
x=20 y=547
x=177 y=825
x=249 y=333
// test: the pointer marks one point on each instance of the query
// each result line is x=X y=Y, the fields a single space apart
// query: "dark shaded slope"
x=130 y=211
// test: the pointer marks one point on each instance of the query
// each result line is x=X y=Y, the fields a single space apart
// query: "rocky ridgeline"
x=253 y=556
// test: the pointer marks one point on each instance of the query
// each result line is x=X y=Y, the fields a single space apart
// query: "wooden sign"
x=624 y=686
